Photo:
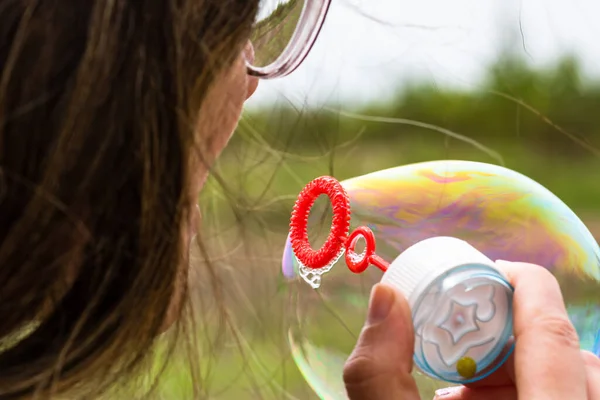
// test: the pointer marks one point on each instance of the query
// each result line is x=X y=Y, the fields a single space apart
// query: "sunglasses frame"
x=307 y=30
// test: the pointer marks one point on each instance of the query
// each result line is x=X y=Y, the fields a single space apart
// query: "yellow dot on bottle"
x=466 y=367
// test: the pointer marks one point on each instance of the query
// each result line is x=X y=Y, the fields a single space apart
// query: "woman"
x=111 y=114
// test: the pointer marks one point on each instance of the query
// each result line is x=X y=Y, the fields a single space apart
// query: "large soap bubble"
x=502 y=213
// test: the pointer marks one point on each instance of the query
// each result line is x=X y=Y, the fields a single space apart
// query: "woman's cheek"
x=218 y=120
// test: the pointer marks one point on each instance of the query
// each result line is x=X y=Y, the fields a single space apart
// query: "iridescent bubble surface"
x=502 y=213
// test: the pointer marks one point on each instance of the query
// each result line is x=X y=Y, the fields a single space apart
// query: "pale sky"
x=361 y=57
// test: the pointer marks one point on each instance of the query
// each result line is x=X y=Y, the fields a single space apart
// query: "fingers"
x=464 y=393
x=592 y=364
x=548 y=361
x=501 y=387
x=381 y=364
x=505 y=375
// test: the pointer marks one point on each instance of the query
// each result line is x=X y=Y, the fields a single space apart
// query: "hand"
x=547 y=363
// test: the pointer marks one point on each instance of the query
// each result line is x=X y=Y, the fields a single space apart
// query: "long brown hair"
x=99 y=100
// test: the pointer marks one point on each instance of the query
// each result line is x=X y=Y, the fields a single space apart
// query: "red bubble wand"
x=314 y=263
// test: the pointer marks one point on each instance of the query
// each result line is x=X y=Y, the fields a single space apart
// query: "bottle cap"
x=461 y=307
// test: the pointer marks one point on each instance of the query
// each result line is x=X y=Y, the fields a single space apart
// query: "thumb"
x=380 y=366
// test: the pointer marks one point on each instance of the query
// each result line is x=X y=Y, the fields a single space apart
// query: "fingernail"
x=382 y=299
x=503 y=262
x=441 y=393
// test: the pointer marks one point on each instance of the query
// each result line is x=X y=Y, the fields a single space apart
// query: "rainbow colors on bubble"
x=502 y=213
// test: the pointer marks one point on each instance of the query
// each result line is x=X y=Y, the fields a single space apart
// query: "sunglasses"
x=283 y=34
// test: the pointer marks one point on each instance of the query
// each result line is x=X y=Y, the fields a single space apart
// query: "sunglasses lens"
x=275 y=24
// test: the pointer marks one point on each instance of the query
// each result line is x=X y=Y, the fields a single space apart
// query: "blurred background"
x=389 y=83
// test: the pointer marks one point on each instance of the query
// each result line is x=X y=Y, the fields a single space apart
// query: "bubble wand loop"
x=314 y=263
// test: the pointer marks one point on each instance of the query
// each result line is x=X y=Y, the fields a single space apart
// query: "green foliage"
x=544 y=123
